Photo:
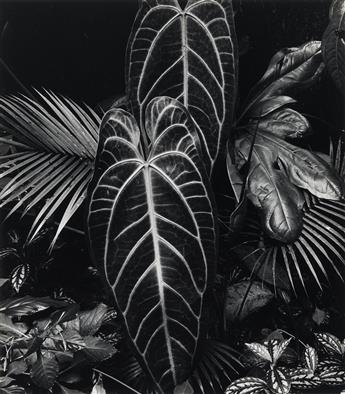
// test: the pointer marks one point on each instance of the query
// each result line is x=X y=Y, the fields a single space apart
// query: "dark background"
x=77 y=48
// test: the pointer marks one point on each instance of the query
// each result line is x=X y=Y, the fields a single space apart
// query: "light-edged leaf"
x=260 y=350
x=54 y=164
x=248 y=385
x=45 y=371
x=19 y=275
x=152 y=232
x=330 y=342
x=244 y=298
x=189 y=54
x=276 y=348
x=310 y=358
x=333 y=44
x=278 y=381
x=303 y=378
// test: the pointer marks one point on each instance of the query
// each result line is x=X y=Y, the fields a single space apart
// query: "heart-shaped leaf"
x=189 y=54
x=333 y=44
x=152 y=232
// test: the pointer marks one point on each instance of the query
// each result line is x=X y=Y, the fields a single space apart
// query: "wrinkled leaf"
x=333 y=376
x=238 y=297
x=276 y=348
x=333 y=44
x=189 y=54
x=280 y=203
x=45 y=371
x=151 y=230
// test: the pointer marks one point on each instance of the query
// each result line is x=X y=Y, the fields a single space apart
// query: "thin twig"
x=116 y=380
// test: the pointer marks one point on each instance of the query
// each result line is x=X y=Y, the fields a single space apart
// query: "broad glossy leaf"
x=152 y=232
x=333 y=44
x=284 y=123
x=280 y=203
x=238 y=298
x=248 y=385
x=189 y=54
x=269 y=105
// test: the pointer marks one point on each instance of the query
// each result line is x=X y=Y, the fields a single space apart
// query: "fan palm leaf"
x=55 y=143
x=318 y=252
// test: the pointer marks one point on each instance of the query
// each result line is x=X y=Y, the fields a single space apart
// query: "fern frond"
x=55 y=142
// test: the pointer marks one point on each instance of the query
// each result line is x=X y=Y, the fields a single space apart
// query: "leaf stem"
x=116 y=380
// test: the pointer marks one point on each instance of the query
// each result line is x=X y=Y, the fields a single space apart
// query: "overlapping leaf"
x=152 y=232
x=317 y=253
x=56 y=142
x=290 y=70
x=188 y=54
x=333 y=44
x=277 y=169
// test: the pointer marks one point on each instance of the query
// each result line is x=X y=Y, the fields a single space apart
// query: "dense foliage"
x=206 y=233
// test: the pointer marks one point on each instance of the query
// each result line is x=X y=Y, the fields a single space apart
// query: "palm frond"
x=216 y=367
x=55 y=144
x=318 y=252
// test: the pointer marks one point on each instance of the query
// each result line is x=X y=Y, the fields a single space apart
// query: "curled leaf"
x=284 y=123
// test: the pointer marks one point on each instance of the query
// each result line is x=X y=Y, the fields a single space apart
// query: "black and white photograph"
x=172 y=196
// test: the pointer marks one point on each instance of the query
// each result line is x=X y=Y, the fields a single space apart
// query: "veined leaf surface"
x=152 y=231
x=189 y=54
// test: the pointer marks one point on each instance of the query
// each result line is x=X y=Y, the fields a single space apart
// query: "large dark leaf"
x=277 y=169
x=189 y=54
x=152 y=232
x=45 y=371
x=290 y=69
x=333 y=44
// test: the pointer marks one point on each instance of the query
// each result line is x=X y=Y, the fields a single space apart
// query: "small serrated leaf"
x=310 y=358
x=45 y=371
x=19 y=275
x=330 y=342
x=260 y=350
x=248 y=385
x=333 y=376
x=303 y=378
x=278 y=381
